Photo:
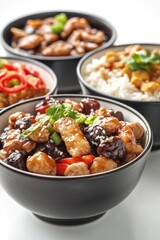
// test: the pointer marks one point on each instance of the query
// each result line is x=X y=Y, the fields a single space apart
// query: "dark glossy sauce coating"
x=61 y=140
x=57 y=36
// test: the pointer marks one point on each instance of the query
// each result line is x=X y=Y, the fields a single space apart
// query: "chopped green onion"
x=57 y=27
x=62 y=18
x=81 y=119
x=56 y=138
x=51 y=129
x=90 y=120
x=41 y=120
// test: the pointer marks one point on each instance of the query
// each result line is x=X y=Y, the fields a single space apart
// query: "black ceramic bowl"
x=149 y=109
x=45 y=72
x=80 y=199
x=64 y=67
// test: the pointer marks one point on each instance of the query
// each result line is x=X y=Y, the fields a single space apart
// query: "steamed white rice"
x=116 y=85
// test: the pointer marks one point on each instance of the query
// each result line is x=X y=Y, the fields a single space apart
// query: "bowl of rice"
x=127 y=73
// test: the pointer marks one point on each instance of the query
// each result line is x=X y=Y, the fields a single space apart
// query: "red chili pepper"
x=88 y=159
x=42 y=109
x=62 y=164
x=3 y=72
x=35 y=82
x=29 y=70
x=6 y=79
x=14 y=67
x=41 y=84
x=60 y=168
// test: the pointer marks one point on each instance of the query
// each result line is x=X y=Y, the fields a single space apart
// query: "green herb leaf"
x=142 y=61
x=62 y=17
x=90 y=120
x=57 y=27
x=56 y=138
x=57 y=111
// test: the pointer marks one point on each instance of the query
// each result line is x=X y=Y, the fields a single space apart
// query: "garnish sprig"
x=142 y=60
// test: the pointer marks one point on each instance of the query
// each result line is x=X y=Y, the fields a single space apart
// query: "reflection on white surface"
x=136 y=218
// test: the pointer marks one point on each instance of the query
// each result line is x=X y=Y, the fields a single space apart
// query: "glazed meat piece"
x=3 y=154
x=55 y=151
x=34 y=23
x=13 y=142
x=41 y=163
x=113 y=148
x=18 y=33
x=93 y=36
x=110 y=124
x=89 y=105
x=59 y=48
x=128 y=137
x=89 y=46
x=76 y=143
x=50 y=38
x=41 y=134
x=77 y=169
x=137 y=129
x=102 y=111
x=74 y=23
x=102 y=164
x=14 y=117
x=16 y=159
x=30 y=42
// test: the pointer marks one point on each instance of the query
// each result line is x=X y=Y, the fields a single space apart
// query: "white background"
x=137 y=217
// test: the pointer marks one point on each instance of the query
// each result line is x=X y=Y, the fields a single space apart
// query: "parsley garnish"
x=54 y=113
x=142 y=60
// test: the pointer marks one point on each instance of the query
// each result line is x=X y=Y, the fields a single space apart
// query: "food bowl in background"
x=46 y=85
x=149 y=108
x=64 y=66
x=74 y=199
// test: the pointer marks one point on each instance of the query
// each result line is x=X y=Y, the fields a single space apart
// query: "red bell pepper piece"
x=29 y=70
x=42 y=109
x=88 y=159
x=60 y=168
x=14 y=67
x=7 y=78
x=3 y=72
x=62 y=164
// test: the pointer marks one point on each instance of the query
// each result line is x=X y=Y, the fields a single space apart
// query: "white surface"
x=136 y=218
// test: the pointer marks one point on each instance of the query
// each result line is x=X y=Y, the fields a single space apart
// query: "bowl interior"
x=130 y=115
x=46 y=73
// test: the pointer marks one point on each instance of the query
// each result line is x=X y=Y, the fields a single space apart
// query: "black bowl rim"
x=37 y=57
x=84 y=58
x=39 y=64
x=97 y=175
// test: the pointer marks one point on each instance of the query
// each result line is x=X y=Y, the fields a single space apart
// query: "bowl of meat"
x=129 y=74
x=22 y=79
x=58 y=39
x=70 y=158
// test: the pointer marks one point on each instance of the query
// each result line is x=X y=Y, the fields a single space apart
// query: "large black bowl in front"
x=80 y=199
x=149 y=109
x=64 y=67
